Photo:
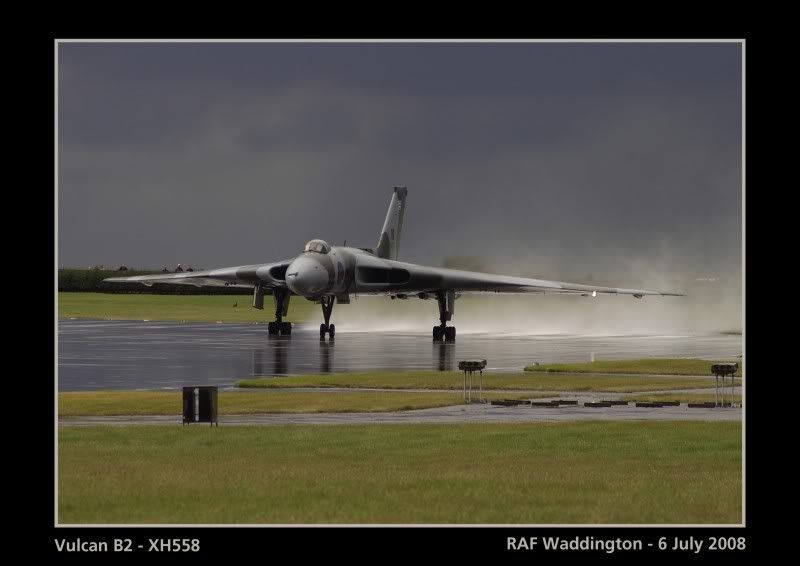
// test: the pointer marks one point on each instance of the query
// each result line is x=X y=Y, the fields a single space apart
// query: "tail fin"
x=389 y=242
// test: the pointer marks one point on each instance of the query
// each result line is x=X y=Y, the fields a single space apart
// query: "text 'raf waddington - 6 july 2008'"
x=690 y=544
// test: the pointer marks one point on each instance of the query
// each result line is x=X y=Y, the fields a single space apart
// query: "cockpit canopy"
x=318 y=246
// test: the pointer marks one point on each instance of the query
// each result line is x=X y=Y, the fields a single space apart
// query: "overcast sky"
x=574 y=158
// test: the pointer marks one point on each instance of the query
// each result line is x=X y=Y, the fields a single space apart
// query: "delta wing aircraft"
x=326 y=274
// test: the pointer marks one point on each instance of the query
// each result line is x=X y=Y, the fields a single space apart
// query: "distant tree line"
x=91 y=280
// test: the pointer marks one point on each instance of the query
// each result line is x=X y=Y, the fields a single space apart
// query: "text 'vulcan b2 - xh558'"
x=327 y=274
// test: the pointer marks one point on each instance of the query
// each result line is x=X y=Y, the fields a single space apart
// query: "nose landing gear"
x=327 y=309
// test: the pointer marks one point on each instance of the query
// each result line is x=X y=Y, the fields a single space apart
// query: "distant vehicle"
x=328 y=274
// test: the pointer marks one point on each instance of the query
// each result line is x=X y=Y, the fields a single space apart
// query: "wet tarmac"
x=166 y=355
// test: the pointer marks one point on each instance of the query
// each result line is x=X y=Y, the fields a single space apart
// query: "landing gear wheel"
x=450 y=333
x=438 y=332
x=272 y=328
x=332 y=331
x=286 y=328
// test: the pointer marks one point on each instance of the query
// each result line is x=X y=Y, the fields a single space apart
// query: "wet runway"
x=154 y=355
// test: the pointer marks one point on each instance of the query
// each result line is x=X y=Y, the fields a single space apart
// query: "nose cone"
x=307 y=276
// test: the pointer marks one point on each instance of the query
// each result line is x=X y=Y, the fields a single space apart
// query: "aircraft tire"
x=332 y=330
x=286 y=328
x=450 y=333
x=323 y=330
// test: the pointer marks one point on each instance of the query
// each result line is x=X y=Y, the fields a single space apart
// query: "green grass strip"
x=656 y=366
x=189 y=308
x=590 y=472
x=530 y=381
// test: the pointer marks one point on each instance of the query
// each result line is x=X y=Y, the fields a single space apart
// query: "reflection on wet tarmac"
x=258 y=361
x=444 y=354
x=280 y=355
x=326 y=356
x=134 y=355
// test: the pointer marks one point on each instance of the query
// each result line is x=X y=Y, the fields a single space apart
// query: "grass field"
x=657 y=366
x=531 y=381
x=104 y=403
x=207 y=308
x=610 y=472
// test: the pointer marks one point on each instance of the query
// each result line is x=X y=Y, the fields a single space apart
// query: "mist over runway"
x=95 y=355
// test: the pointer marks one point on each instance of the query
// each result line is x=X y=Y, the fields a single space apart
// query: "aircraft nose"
x=307 y=277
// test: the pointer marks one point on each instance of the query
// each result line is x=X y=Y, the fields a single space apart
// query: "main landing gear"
x=282 y=328
x=327 y=309
x=447 y=301
x=281 y=299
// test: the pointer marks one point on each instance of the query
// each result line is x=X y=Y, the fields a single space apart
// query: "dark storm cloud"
x=590 y=155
